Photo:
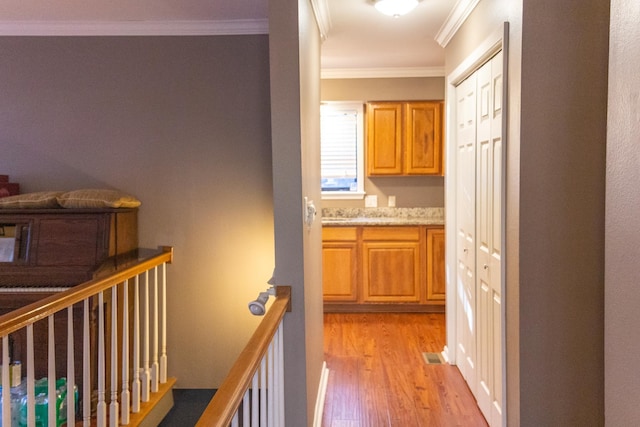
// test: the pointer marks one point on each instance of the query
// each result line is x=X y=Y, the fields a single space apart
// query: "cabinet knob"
x=465 y=250
x=486 y=267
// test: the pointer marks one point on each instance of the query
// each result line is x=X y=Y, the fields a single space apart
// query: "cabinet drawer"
x=391 y=233
x=339 y=234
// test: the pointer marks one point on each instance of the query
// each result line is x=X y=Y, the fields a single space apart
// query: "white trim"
x=134 y=28
x=375 y=73
x=454 y=21
x=323 y=17
x=485 y=50
x=322 y=392
x=341 y=195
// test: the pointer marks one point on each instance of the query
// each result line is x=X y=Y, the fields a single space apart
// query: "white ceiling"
x=361 y=38
x=359 y=42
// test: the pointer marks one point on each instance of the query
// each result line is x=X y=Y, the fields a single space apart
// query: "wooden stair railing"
x=122 y=320
x=254 y=387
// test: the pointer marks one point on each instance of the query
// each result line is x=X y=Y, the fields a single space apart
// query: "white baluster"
x=270 y=389
x=86 y=366
x=154 y=345
x=145 y=377
x=114 y=406
x=280 y=377
x=71 y=369
x=163 y=344
x=245 y=409
x=234 y=420
x=6 y=384
x=51 y=372
x=125 y=396
x=263 y=392
x=135 y=384
x=255 y=398
x=31 y=378
x=101 y=410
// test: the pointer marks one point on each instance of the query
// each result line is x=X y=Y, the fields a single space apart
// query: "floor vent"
x=432 y=358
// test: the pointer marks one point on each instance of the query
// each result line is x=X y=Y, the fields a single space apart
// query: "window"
x=341 y=150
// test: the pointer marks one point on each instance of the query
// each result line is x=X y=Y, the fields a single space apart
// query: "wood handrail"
x=45 y=307
x=227 y=399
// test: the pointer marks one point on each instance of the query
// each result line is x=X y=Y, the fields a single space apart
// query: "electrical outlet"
x=371 y=201
x=391 y=201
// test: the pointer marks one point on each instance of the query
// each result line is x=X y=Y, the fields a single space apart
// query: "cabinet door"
x=423 y=138
x=384 y=138
x=435 y=266
x=391 y=268
x=339 y=264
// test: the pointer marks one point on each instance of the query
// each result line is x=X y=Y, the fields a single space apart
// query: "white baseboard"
x=322 y=391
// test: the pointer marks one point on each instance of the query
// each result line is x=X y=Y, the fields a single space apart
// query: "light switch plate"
x=371 y=201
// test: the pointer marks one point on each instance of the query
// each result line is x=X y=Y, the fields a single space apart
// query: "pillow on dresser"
x=37 y=200
x=97 y=198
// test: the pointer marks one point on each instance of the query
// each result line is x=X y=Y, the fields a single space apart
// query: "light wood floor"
x=378 y=377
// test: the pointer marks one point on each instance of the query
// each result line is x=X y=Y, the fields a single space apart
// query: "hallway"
x=378 y=376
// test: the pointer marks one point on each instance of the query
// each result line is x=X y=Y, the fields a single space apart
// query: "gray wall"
x=555 y=204
x=622 y=295
x=295 y=70
x=183 y=123
x=415 y=191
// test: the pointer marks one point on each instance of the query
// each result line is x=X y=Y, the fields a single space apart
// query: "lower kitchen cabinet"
x=391 y=264
x=340 y=264
x=436 y=285
x=383 y=268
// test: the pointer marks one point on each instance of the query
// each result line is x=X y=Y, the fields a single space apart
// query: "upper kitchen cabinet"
x=404 y=138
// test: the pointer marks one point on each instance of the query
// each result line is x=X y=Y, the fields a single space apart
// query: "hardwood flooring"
x=378 y=376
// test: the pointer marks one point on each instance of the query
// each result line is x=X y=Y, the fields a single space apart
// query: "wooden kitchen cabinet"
x=340 y=264
x=391 y=264
x=404 y=138
x=436 y=286
x=383 y=268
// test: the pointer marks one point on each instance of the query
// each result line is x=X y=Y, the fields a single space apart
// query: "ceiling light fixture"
x=395 y=8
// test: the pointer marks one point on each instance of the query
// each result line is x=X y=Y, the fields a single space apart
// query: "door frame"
x=486 y=49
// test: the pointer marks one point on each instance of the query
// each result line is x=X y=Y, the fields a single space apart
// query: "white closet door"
x=488 y=251
x=465 y=229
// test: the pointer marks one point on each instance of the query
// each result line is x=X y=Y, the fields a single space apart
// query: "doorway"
x=475 y=223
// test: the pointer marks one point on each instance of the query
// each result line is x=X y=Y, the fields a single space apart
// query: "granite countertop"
x=382 y=216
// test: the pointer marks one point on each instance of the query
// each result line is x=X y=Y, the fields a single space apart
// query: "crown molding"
x=377 y=73
x=323 y=17
x=454 y=21
x=134 y=28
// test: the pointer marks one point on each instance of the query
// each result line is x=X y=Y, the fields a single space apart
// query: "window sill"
x=343 y=195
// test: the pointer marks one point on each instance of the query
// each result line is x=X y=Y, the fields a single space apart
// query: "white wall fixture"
x=258 y=307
